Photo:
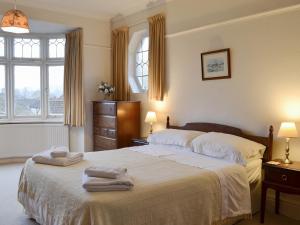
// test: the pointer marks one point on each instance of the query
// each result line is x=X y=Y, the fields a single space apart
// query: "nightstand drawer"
x=282 y=176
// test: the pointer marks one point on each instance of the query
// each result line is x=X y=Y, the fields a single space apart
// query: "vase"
x=107 y=97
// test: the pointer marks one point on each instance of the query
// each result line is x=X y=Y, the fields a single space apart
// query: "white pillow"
x=229 y=147
x=174 y=137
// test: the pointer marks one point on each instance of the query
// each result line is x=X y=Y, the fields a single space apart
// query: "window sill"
x=139 y=91
x=6 y=122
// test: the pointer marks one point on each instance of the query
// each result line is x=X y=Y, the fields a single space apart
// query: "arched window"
x=142 y=62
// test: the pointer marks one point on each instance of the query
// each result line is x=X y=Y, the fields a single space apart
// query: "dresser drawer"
x=105 y=121
x=282 y=176
x=103 y=143
x=105 y=108
x=106 y=132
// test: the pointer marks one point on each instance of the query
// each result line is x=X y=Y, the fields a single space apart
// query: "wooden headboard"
x=213 y=127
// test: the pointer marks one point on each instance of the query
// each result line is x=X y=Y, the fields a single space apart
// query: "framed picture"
x=216 y=64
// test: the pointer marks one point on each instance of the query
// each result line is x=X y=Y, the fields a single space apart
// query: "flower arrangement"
x=106 y=88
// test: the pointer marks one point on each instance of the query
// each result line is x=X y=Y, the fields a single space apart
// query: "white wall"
x=96 y=62
x=264 y=87
x=265 y=55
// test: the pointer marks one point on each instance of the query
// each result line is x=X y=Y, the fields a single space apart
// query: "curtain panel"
x=156 y=57
x=119 y=63
x=73 y=88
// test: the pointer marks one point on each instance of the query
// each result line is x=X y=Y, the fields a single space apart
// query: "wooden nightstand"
x=139 y=141
x=282 y=178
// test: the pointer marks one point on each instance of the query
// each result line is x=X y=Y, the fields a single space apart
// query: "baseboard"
x=289 y=205
x=17 y=159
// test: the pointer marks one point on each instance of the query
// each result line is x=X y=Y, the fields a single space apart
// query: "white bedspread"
x=171 y=187
x=236 y=199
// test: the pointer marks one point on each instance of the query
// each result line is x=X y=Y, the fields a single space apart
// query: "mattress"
x=172 y=187
x=253 y=170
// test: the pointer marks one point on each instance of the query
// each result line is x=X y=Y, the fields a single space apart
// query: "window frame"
x=44 y=62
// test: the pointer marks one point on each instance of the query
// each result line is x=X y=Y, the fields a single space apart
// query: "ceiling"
x=100 y=9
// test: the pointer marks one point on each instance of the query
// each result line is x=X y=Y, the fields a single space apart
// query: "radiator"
x=18 y=140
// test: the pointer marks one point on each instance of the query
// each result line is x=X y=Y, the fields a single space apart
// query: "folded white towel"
x=59 y=151
x=106 y=184
x=105 y=172
x=45 y=158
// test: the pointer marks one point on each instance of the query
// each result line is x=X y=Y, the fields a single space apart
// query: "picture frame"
x=216 y=64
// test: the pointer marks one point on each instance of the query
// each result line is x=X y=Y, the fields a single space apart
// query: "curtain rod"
x=134 y=24
x=96 y=46
x=138 y=23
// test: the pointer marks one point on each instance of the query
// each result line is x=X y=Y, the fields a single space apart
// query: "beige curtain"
x=156 y=57
x=119 y=63
x=73 y=90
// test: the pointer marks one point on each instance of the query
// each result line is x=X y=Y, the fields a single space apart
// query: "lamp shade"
x=288 y=130
x=15 y=21
x=151 y=117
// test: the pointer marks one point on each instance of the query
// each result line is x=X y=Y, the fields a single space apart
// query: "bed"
x=172 y=187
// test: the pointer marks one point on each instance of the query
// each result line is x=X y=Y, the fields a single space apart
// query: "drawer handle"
x=284 y=177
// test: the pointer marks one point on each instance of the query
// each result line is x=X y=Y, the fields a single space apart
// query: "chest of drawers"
x=115 y=124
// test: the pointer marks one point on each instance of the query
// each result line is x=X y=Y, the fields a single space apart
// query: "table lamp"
x=151 y=118
x=287 y=130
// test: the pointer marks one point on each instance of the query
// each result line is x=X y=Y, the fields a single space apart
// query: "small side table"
x=139 y=141
x=281 y=178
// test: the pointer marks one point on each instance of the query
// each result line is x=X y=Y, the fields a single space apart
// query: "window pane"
x=56 y=90
x=139 y=70
x=139 y=58
x=145 y=70
x=2 y=91
x=145 y=44
x=2 y=47
x=140 y=80
x=145 y=82
x=26 y=48
x=145 y=57
x=27 y=91
x=57 y=48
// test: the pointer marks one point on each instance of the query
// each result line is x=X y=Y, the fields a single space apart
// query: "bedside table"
x=282 y=178
x=139 y=141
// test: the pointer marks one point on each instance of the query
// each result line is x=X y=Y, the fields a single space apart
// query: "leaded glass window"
x=142 y=62
x=26 y=48
x=57 y=48
x=31 y=78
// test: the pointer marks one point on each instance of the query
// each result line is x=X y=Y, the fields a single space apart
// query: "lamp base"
x=287 y=161
x=287 y=152
x=151 y=129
